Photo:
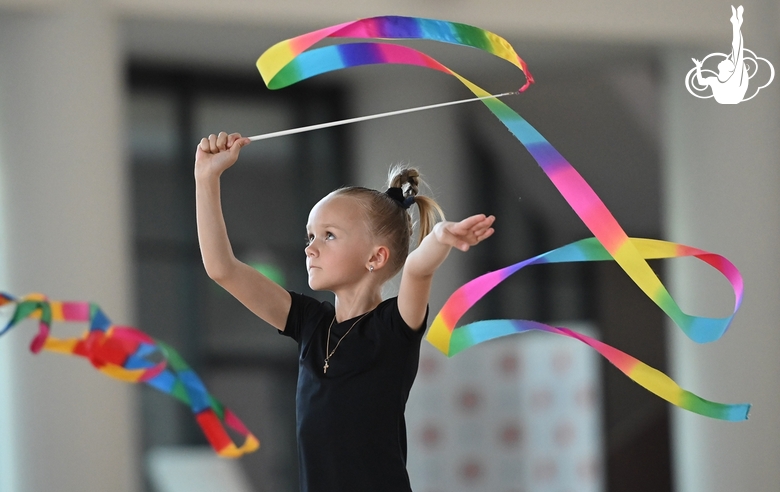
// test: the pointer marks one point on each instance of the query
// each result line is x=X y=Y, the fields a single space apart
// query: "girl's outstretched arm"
x=421 y=264
x=261 y=295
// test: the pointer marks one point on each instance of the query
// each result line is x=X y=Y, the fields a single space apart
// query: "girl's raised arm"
x=417 y=276
x=259 y=294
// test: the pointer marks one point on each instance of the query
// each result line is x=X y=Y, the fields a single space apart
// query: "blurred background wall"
x=102 y=103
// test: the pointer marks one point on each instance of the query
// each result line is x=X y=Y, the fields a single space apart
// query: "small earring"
x=371 y=268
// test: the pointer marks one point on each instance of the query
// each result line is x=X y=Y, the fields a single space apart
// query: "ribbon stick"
x=130 y=355
x=347 y=121
x=289 y=62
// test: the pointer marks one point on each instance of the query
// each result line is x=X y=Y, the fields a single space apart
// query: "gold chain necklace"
x=328 y=353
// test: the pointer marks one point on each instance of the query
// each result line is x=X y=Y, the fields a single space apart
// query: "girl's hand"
x=421 y=264
x=466 y=233
x=217 y=153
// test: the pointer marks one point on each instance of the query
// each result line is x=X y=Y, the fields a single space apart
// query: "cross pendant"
x=325 y=369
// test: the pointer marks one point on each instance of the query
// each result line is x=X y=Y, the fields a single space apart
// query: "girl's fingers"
x=465 y=226
x=486 y=234
x=214 y=144
x=236 y=142
x=235 y=148
x=481 y=230
x=222 y=140
x=481 y=225
x=476 y=222
x=488 y=221
x=233 y=138
x=470 y=222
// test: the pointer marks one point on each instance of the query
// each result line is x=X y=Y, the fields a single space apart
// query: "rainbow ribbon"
x=288 y=62
x=131 y=355
x=449 y=340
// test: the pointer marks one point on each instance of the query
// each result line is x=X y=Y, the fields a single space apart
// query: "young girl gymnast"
x=358 y=357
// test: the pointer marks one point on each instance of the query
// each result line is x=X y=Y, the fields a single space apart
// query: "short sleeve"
x=296 y=316
x=302 y=309
x=393 y=317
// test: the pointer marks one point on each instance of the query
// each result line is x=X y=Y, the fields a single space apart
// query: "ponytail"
x=408 y=180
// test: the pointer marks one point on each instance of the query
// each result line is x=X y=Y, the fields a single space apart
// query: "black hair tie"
x=397 y=194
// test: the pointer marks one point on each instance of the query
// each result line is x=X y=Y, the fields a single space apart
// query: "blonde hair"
x=388 y=220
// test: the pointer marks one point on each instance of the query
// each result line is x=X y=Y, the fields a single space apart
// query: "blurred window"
x=266 y=197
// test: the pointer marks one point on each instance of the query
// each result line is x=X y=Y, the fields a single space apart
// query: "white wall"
x=65 y=234
x=722 y=194
x=7 y=459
